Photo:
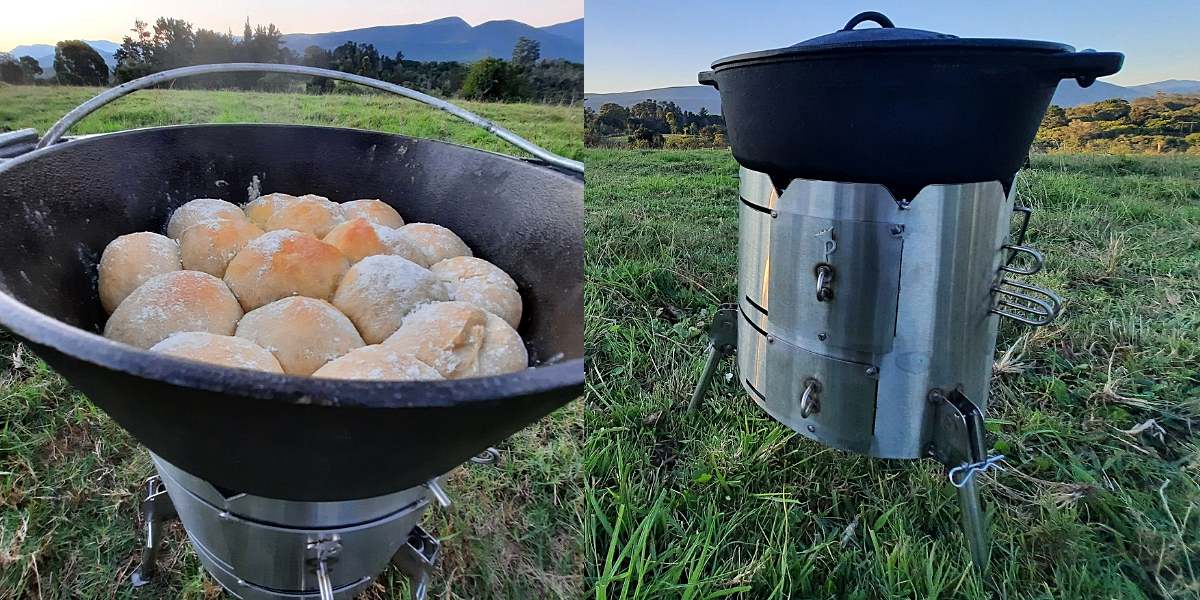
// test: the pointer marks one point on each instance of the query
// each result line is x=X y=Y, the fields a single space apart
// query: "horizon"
x=25 y=25
x=1157 y=39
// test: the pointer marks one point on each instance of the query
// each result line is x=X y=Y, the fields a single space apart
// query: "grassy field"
x=70 y=478
x=1097 y=413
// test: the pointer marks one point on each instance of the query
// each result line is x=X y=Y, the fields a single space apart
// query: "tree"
x=31 y=68
x=10 y=70
x=493 y=79
x=76 y=63
x=526 y=52
x=612 y=117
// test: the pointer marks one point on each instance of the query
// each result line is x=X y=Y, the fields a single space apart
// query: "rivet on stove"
x=770 y=339
x=812 y=429
x=897 y=229
x=872 y=371
x=774 y=214
x=821 y=336
x=225 y=515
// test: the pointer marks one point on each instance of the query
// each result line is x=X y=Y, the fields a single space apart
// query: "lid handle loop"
x=870 y=15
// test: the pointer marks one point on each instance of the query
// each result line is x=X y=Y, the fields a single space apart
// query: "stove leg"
x=417 y=558
x=959 y=444
x=156 y=509
x=722 y=342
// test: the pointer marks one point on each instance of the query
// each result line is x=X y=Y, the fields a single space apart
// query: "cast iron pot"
x=280 y=436
x=900 y=107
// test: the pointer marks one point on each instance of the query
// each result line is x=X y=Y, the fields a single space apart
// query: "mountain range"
x=694 y=97
x=445 y=39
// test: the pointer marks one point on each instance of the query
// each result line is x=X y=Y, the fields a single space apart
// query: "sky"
x=669 y=41
x=26 y=22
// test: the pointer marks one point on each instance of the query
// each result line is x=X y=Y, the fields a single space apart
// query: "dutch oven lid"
x=887 y=37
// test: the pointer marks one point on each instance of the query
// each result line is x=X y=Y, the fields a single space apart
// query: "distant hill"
x=452 y=39
x=693 y=97
x=44 y=53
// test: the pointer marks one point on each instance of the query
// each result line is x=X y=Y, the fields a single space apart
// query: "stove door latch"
x=824 y=274
x=323 y=552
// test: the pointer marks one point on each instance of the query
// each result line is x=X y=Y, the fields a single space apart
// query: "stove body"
x=868 y=322
x=867 y=303
x=269 y=549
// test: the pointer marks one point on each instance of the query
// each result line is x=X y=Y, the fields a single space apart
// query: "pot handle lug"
x=870 y=15
x=79 y=112
x=707 y=78
x=1087 y=65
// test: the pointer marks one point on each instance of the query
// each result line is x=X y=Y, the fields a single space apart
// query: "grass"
x=555 y=128
x=70 y=478
x=1097 y=413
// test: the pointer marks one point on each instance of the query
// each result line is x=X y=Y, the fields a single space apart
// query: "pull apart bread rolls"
x=172 y=303
x=284 y=263
x=302 y=333
x=359 y=238
x=224 y=350
x=381 y=363
x=435 y=242
x=210 y=245
x=460 y=340
x=199 y=211
x=131 y=260
x=375 y=211
x=380 y=290
x=479 y=282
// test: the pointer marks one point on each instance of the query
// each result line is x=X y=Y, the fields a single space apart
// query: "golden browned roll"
x=378 y=362
x=436 y=242
x=359 y=238
x=302 y=333
x=209 y=246
x=460 y=340
x=306 y=214
x=224 y=350
x=131 y=260
x=261 y=208
x=284 y=263
x=375 y=211
x=479 y=282
x=380 y=290
x=199 y=211
x=171 y=303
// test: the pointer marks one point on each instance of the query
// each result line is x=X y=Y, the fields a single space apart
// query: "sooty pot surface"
x=281 y=436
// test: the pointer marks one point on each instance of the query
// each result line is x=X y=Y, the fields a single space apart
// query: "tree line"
x=1163 y=123
x=648 y=124
x=172 y=43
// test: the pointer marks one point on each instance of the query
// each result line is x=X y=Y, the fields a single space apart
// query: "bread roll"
x=479 y=282
x=302 y=333
x=224 y=350
x=261 y=208
x=375 y=211
x=199 y=211
x=131 y=260
x=445 y=335
x=171 y=303
x=306 y=214
x=380 y=290
x=359 y=238
x=284 y=263
x=209 y=246
x=436 y=242
x=503 y=350
x=378 y=362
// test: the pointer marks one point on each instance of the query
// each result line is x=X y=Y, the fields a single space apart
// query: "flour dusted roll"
x=375 y=211
x=307 y=214
x=503 y=350
x=284 y=263
x=359 y=238
x=380 y=290
x=479 y=282
x=209 y=246
x=261 y=208
x=131 y=260
x=445 y=335
x=171 y=303
x=380 y=363
x=224 y=350
x=436 y=242
x=199 y=211
x=302 y=333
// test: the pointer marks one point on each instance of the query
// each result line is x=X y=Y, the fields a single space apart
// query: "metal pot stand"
x=865 y=321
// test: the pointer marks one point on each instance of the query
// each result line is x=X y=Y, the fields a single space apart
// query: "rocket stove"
x=875 y=253
x=290 y=487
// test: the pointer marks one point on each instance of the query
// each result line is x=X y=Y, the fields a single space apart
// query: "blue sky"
x=639 y=44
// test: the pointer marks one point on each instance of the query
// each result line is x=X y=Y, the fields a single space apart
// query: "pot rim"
x=80 y=344
x=952 y=48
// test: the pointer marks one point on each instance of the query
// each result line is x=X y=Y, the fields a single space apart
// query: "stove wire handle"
x=78 y=113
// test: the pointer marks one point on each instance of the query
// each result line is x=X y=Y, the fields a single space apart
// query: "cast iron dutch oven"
x=279 y=436
x=901 y=107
